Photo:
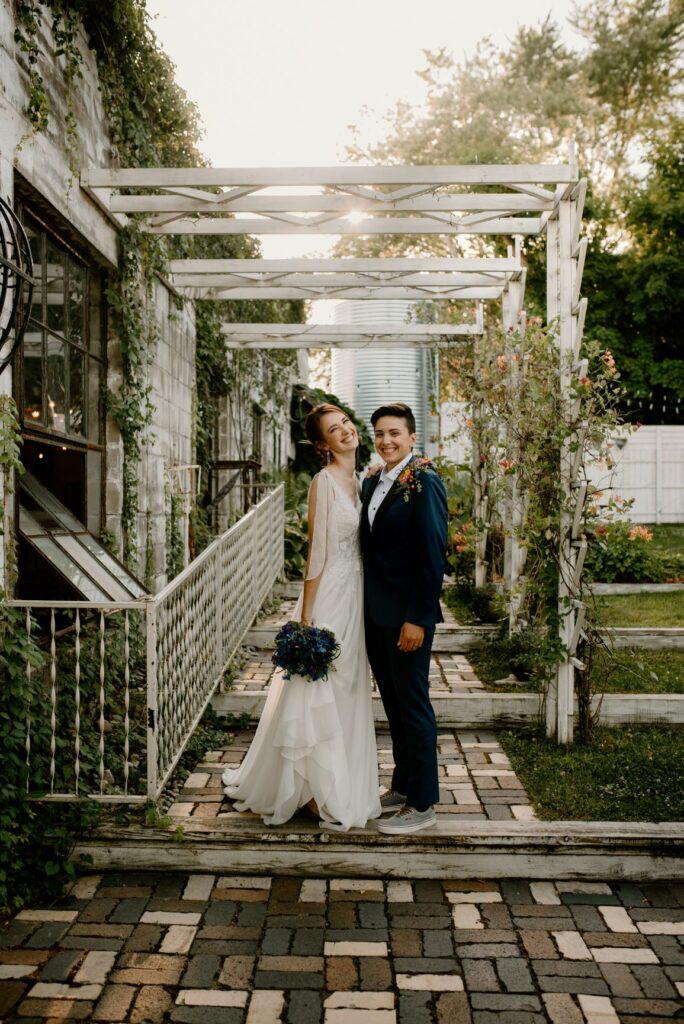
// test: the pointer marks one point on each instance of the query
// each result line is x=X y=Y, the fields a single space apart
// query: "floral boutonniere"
x=410 y=476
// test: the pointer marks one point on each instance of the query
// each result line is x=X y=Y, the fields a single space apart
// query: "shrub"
x=474 y=604
x=619 y=552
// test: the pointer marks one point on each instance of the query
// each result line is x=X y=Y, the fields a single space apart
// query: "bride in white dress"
x=315 y=743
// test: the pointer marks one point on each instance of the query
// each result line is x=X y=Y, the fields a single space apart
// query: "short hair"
x=398 y=409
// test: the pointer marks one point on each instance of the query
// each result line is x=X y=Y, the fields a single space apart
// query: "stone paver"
x=341 y=951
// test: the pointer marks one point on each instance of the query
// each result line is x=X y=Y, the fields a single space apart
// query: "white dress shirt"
x=387 y=478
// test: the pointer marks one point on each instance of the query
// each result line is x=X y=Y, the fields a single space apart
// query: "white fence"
x=649 y=466
x=650 y=469
x=124 y=685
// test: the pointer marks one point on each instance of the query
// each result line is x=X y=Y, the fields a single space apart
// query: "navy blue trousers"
x=403 y=681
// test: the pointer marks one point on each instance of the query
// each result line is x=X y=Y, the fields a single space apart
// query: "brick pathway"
x=477 y=782
x=236 y=950
x=449 y=673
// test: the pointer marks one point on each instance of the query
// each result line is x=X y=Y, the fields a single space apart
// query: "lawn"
x=668 y=538
x=627 y=670
x=632 y=773
x=642 y=609
x=630 y=670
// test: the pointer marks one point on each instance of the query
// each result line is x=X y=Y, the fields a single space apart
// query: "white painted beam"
x=432 y=175
x=402 y=264
x=293 y=336
x=341 y=226
x=375 y=280
x=283 y=292
x=219 y=202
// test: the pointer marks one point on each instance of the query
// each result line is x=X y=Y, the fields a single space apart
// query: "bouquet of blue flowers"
x=307 y=651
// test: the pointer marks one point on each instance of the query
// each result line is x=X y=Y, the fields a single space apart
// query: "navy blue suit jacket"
x=404 y=555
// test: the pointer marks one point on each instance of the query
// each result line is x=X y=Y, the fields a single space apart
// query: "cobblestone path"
x=477 y=782
x=244 y=950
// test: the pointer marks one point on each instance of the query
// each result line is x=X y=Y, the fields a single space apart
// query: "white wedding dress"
x=317 y=739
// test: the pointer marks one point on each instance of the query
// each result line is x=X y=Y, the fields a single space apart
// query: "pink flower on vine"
x=502 y=363
x=508 y=465
x=640 y=533
x=609 y=361
x=584 y=382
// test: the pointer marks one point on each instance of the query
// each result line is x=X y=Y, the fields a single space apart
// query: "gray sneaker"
x=408 y=819
x=392 y=801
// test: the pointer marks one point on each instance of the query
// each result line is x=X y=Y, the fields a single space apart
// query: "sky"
x=279 y=82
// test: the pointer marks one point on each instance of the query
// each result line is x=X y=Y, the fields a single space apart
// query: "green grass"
x=668 y=538
x=642 y=609
x=630 y=670
x=628 y=774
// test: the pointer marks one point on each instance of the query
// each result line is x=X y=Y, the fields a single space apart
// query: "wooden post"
x=152 y=701
x=565 y=674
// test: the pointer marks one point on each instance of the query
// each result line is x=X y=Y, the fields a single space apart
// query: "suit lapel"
x=395 y=490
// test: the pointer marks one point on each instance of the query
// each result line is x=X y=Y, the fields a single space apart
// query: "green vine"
x=65 y=26
x=133 y=317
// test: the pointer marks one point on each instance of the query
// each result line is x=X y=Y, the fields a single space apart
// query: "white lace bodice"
x=336 y=541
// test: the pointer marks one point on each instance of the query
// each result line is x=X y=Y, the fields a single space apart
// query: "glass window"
x=76 y=302
x=61 y=385
x=56 y=384
x=33 y=375
x=36 y=243
x=55 y=260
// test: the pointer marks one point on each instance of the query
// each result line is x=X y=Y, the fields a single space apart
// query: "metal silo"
x=368 y=377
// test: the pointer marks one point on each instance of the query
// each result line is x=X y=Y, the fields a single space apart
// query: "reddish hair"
x=312 y=424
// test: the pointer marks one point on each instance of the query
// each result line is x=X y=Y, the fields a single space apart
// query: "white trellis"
x=454 y=202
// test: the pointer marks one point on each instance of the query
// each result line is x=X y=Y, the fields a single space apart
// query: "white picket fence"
x=122 y=713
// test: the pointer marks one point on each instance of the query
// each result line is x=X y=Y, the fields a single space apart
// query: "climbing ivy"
x=151 y=123
x=133 y=317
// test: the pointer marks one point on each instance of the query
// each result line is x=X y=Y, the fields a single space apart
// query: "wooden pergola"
x=468 y=201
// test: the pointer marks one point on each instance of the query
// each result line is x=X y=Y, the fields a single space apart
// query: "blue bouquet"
x=305 y=651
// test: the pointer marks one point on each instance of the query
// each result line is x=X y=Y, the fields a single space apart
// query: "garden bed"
x=642 y=609
x=627 y=774
x=629 y=670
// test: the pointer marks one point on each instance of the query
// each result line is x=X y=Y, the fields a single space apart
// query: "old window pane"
x=36 y=245
x=56 y=384
x=33 y=374
x=55 y=287
x=76 y=396
x=76 y=294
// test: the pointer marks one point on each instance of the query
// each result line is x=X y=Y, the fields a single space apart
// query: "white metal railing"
x=124 y=684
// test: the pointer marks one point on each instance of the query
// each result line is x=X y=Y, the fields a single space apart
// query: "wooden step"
x=448 y=638
x=495 y=710
x=452 y=639
x=491 y=849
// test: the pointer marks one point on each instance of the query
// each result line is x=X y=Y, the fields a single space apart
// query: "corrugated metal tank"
x=369 y=377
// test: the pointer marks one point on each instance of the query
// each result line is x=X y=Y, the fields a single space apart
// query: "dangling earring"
x=328 y=457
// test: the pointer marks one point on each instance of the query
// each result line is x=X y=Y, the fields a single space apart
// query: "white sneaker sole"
x=401 y=830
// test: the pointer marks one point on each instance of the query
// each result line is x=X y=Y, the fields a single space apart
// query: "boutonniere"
x=410 y=476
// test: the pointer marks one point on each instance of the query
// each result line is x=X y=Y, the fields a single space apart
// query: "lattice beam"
x=345 y=335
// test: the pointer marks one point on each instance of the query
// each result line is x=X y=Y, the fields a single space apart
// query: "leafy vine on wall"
x=151 y=123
